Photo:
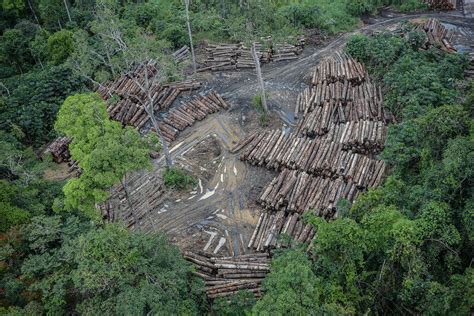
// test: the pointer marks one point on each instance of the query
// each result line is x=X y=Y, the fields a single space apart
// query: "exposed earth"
x=220 y=214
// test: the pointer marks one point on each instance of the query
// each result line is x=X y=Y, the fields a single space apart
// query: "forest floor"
x=220 y=213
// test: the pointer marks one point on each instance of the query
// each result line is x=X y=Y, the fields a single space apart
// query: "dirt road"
x=219 y=214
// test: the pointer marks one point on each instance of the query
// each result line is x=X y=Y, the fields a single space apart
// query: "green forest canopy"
x=404 y=248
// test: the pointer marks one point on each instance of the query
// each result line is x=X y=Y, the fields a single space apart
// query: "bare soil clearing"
x=219 y=215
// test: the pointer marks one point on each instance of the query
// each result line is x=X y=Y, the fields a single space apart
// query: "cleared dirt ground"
x=219 y=214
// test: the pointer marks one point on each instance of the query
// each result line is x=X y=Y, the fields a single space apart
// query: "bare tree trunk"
x=149 y=110
x=259 y=77
x=5 y=87
x=34 y=13
x=130 y=205
x=164 y=144
x=186 y=6
x=67 y=10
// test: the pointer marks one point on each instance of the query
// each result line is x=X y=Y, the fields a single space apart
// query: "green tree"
x=151 y=276
x=60 y=46
x=104 y=150
x=30 y=108
x=291 y=287
x=61 y=264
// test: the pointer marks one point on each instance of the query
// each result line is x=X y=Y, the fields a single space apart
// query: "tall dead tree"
x=128 y=55
x=186 y=8
x=67 y=10
x=256 y=59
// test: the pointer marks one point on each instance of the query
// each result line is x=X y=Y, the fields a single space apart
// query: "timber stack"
x=181 y=54
x=328 y=157
x=437 y=35
x=272 y=225
x=294 y=191
x=58 y=149
x=133 y=198
x=319 y=157
x=238 y=56
x=187 y=113
x=225 y=276
x=441 y=4
x=127 y=96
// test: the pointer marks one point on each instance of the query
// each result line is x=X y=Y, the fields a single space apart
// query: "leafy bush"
x=60 y=46
x=178 y=179
x=263 y=116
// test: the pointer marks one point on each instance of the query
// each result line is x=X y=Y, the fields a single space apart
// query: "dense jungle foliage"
x=405 y=248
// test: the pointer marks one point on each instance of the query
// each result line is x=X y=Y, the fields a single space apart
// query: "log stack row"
x=225 y=276
x=238 y=56
x=365 y=137
x=232 y=56
x=144 y=193
x=187 y=113
x=271 y=225
x=319 y=157
x=181 y=54
x=294 y=191
x=339 y=67
x=58 y=149
x=441 y=4
x=328 y=157
x=127 y=95
x=317 y=121
x=365 y=97
x=129 y=109
x=437 y=35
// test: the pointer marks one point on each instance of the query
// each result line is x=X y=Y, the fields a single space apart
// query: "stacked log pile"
x=287 y=51
x=272 y=225
x=319 y=157
x=225 y=276
x=142 y=194
x=437 y=35
x=364 y=137
x=232 y=57
x=441 y=4
x=294 y=191
x=181 y=54
x=238 y=56
x=187 y=113
x=339 y=67
x=364 y=97
x=129 y=110
x=58 y=149
x=319 y=120
x=328 y=157
x=130 y=90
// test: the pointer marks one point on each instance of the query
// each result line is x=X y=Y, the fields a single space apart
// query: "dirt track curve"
x=219 y=214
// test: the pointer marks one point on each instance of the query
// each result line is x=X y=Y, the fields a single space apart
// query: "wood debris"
x=142 y=194
x=181 y=54
x=58 y=149
x=225 y=276
x=437 y=35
